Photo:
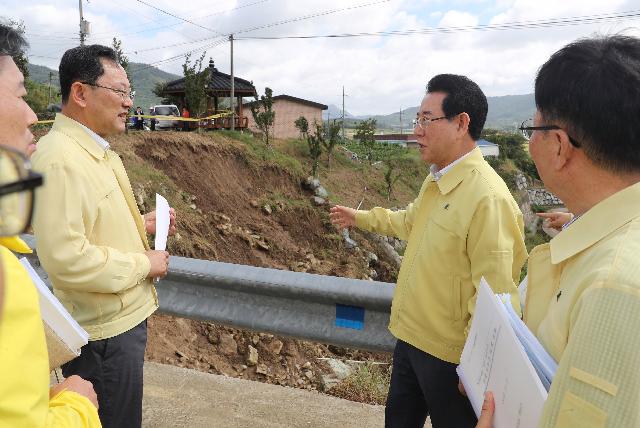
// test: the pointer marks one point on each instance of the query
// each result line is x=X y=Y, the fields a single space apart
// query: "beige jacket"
x=90 y=234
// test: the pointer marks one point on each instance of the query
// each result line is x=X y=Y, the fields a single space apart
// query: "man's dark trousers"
x=422 y=385
x=114 y=367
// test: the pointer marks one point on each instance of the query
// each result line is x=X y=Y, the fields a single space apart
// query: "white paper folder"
x=495 y=360
x=64 y=335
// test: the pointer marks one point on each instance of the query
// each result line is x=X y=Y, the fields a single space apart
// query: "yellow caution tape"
x=175 y=118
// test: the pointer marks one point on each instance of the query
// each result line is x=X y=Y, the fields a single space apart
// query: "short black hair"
x=591 y=88
x=12 y=41
x=82 y=64
x=463 y=96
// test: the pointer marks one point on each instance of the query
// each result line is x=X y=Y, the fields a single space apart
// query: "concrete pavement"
x=176 y=397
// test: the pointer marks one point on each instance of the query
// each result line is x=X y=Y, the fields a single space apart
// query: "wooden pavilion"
x=219 y=86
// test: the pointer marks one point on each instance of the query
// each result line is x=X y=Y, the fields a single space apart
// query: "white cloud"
x=380 y=74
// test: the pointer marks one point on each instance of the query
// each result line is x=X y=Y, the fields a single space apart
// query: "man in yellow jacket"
x=91 y=238
x=463 y=225
x=583 y=294
x=25 y=397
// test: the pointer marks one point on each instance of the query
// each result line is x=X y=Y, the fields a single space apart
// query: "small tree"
x=333 y=136
x=263 y=115
x=315 y=141
x=195 y=83
x=122 y=58
x=393 y=172
x=364 y=132
x=302 y=124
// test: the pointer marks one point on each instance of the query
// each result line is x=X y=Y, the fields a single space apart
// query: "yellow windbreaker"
x=90 y=235
x=459 y=229
x=583 y=303
x=24 y=363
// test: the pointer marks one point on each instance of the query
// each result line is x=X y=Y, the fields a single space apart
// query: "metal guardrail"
x=341 y=311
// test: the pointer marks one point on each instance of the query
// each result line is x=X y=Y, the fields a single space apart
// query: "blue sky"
x=380 y=74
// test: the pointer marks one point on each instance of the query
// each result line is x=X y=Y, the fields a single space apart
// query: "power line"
x=177 y=17
x=305 y=17
x=518 y=25
x=273 y=24
x=194 y=18
x=174 y=58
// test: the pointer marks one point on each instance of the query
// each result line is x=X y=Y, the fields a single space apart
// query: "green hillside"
x=142 y=81
x=505 y=113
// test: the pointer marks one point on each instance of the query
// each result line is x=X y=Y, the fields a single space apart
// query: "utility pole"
x=343 y=114
x=50 y=77
x=233 y=92
x=401 y=130
x=84 y=25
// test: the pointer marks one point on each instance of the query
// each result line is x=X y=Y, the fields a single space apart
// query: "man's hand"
x=555 y=220
x=78 y=385
x=150 y=222
x=159 y=263
x=488 y=407
x=343 y=217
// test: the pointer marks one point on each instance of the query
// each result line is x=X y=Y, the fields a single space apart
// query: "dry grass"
x=368 y=384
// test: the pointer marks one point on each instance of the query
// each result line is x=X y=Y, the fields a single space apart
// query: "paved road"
x=176 y=397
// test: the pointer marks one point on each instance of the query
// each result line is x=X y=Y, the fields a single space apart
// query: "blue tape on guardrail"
x=349 y=317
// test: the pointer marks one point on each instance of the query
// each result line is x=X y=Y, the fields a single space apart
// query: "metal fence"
x=341 y=311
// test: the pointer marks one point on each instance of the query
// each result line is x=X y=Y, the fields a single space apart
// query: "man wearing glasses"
x=463 y=225
x=583 y=295
x=25 y=396
x=91 y=238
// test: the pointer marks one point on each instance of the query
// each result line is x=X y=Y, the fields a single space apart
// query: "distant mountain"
x=505 y=113
x=143 y=81
x=335 y=112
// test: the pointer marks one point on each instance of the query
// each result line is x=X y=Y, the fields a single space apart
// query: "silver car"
x=166 y=110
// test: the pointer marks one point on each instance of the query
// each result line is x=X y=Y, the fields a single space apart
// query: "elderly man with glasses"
x=583 y=294
x=25 y=397
x=463 y=225
x=91 y=238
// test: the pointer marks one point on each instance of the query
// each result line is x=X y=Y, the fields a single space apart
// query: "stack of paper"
x=542 y=361
x=64 y=335
x=494 y=360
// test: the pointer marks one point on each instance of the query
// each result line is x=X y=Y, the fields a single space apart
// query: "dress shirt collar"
x=597 y=223
x=458 y=170
x=437 y=174
x=78 y=133
x=102 y=143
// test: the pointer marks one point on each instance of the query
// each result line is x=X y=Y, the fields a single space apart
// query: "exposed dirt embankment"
x=237 y=207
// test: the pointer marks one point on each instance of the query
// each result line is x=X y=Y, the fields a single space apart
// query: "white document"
x=162 y=223
x=56 y=316
x=494 y=360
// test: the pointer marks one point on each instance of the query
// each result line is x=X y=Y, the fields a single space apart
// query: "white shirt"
x=101 y=142
x=438 y=174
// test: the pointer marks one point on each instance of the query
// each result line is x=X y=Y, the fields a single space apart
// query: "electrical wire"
x=177 y=17
x=518 y=25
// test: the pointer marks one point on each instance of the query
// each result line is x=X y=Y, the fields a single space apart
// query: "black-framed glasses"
x=124 y=95
x=423 y=121
x=17 y=185
x=527 y=129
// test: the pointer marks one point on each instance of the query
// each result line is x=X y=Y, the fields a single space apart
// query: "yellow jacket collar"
x=600 y=221
x=15 y=244
x=459 y=171
x=73 y=130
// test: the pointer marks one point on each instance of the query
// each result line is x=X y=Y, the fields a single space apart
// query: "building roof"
x=296 y=100
x=219 y=84
x=485 y=143
x=395 y=137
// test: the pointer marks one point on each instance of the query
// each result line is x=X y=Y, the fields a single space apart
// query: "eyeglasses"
x=17 y=184
x=423 y=121
x=527 y=129
x=124 y=95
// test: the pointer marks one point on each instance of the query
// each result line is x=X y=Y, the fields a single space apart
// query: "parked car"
x=166 y=110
